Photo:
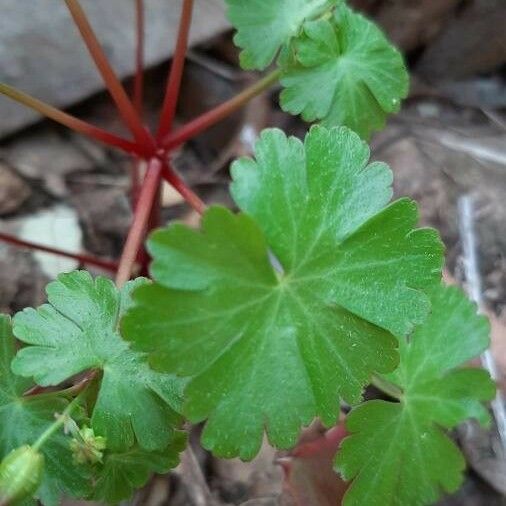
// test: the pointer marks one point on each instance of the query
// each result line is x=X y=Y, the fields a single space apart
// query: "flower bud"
x=86 y=447
x=20 y=474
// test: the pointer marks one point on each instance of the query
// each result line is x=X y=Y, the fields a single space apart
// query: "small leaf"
x=343 y=71
x=264 y=26
x=78 y=330
x=398 y=453
x=124 y=472
x=24 y=419
x=310 y=479
x=273 y=348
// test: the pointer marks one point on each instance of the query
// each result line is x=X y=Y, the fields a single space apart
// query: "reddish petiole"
x=146 y=148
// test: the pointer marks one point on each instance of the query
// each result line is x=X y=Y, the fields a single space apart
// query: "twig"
x=474 y=284
x=472 y=147
x=193 y=478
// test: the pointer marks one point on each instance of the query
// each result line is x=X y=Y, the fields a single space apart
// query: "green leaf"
x=124 y=472
x=398 y=453
x=273 y=348
x=343 y=71
x=24 y=419
x=78 y=330
x=264 y=26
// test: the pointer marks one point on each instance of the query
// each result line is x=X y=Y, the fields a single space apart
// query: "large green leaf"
x=273 y=347
x=264 y=26
x=78 y=330
x=121 y=473
x=24 y=419
x=343 y=71
x=398 y=453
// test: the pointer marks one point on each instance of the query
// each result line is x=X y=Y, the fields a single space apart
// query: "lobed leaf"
x=272 y=347
x=264 y=26
x=343 y=71
x=336 y=66
x=78 y=330
x=123 y=472
x=398 y=453
x=24 y=419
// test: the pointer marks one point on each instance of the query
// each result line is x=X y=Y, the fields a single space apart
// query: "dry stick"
x=69 y=121
x=473 y=278
x=194 y=479
x=176 y=72
x=81 y=258
x=179 y=185
x=137 y=231
x=198 y=125
x=138 y=94
x=113 y=84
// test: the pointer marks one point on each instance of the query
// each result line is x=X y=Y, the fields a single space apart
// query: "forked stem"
x=198 y=125
x=176 y=71
x=113 y=84
x=143 y=208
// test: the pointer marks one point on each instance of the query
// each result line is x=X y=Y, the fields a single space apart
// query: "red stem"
x=138 y=94
x=135 y=180
x=81 y=258
x=153 y=222
x=74 y=389
x=176 y=71
x=118 y=93
x=198 y=125
x=69 y=121
x=142 y=213
x=179 y=185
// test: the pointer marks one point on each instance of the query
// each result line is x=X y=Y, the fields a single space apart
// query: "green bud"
x=20 y=474
x=86 y=447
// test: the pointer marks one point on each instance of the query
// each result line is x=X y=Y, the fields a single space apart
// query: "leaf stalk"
x=113 y=84
x=138 y=92
x=69 y=121
x=176 y=72
x=170 y=175
x=142 y=213
x=387 y=387
x=81 y=258
x=210 y=118
x=56 y=425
